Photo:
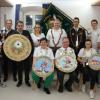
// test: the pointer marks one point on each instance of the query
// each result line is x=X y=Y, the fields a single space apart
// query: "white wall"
x=9 y=12
x=82 y=10
x=85 y=12
x=30 y=11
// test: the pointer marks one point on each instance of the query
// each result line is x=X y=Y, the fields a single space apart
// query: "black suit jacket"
x=81 y=39
x=11 y=32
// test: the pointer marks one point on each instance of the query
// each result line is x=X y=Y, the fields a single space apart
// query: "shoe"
x=19 y=84
x=60 y=89
x=28 y=84
x=91 y=94
x=83 y=88
x=68 y=88
x=5 y=80
x=3 y=85
x=15 y=79
x=47 y=91
x=39 y=85
x=77 y=80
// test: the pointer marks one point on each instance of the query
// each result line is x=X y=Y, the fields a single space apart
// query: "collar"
x=76 y=28
x=44 y=49
x=64 y=48
x=20 y=32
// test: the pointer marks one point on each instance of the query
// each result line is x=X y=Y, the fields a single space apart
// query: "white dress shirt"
x=56 y=35
x=36 y=38
x=94 y=36
x=38 y=52
x=85 y=53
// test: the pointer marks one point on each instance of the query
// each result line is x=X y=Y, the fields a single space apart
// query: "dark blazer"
x=73 y=38
x=11 y=32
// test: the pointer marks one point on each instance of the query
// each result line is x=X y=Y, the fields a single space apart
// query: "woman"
x=37 y=35
x=88 y=73
x=43 y=50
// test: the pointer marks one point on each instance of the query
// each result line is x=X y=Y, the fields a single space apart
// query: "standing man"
x=77 y=41
x=94 y=33
x=55 y=35
x=7 y=62
x=26 y=64
x=77 y=36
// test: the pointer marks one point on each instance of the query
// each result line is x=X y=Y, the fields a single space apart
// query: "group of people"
x=17 y=67
x=56 y=40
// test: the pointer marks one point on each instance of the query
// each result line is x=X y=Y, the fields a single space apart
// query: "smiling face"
x=65 y=42
x=43 y=44
x=88 y=44
x=20 y=27
x=8 y=24
x=94 y=24
x=76 y=22
x=37 y=29
x=57 y=24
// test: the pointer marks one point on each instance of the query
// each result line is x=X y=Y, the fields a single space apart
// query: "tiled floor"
x=11 y=92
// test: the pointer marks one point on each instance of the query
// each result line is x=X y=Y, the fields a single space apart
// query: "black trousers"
x=6 y=65
x=89 y=75
x=14 y=68
x=60 y=76
x=24 y=66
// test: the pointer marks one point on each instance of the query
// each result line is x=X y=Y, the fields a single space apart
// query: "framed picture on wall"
x=29 y=22
x=38 y=18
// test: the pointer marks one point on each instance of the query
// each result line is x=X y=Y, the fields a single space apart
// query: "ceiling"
x=5 y=3
x=97 y=3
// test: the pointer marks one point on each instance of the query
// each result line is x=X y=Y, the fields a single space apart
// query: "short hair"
x=43 y=39
x=19 y=21
x=65 y=38
x=94 y=20
x=8 y=20
x=57 y=20
x=76 y=18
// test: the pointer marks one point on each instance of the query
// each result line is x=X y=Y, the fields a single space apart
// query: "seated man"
x=41 y=51
x=60 y=74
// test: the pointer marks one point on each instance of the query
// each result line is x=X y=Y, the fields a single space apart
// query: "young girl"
x=88 y=73
x=37 y=35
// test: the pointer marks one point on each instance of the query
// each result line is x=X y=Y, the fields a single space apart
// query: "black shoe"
x=47 y=91
x=77 y=80
x=15 y=79
x=28 y=84
x=19 y=84
x=60 y=89
x=68 y=88
x=5 y=79
x=39 y=85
